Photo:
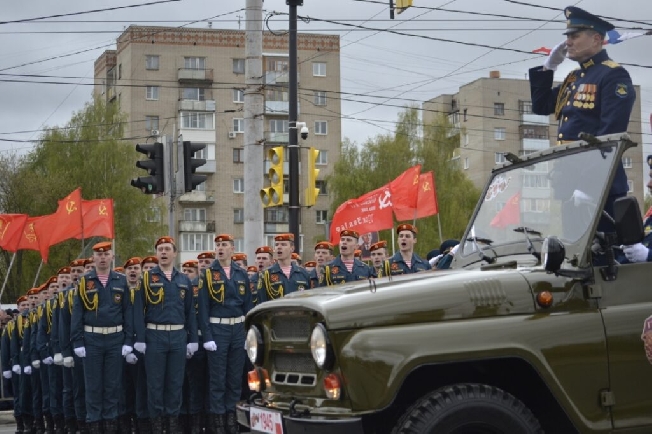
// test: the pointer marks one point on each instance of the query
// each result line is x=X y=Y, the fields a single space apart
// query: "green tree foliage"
x=361 y=169
x=89 y=153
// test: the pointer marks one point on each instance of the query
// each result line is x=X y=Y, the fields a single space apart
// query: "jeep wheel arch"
x=462 y=408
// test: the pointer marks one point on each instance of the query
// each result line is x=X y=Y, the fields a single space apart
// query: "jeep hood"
x=416 y=298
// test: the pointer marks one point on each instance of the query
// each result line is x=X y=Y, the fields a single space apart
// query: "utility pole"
x=172 y=184
x=253 y=127
x=293 y=143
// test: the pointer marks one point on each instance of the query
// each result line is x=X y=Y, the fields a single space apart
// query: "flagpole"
x=392 y=240
x=114 y=250
x=11 y=264
x=441 y=239
x=37 y=273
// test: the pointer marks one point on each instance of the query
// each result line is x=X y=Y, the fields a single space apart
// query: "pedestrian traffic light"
x=273 y=195
x=190 y=165
x=154 y=164
x=312 y=191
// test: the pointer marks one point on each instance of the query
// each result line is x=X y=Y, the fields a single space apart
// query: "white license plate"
x=266 y=421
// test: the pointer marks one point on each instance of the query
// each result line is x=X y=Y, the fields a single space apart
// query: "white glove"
x=556 y=56
x=48 y=360
x=80 y=352
x=433 y=261
x=453 y=250
x=68 y=362
x=131 y=358
x=126 y=349
x=16 y=369
x=210 y=346
x=140 y=347
x=58 y=359
x=6 y=374
x=191 y=348
x=36 y=364
x=579 y=197
x=636 y=252
x=27 y=370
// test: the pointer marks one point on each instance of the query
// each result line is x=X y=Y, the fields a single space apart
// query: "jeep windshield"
x=558 y=193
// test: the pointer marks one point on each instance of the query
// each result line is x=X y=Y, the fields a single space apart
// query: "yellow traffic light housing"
x=312 y=191
x=273 y=195
x=402 y=5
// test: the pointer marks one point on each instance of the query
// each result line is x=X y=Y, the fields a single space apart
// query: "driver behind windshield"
x=642 y=252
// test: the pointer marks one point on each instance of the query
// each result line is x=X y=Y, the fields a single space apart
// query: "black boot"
x=71 y=426
x=144 y=426
x=216 y=424
x=82 y=426
x=28 y=423
x=111 y=426
x=232 y=426
x=20 y=424
x=39 y=425
x=49 y=423
x=94 y=427
x=59 y=424
x=173 y=425
x=125 y=424
x=157 y=425
x=195 y=423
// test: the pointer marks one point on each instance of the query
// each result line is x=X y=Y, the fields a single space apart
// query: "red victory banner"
x=69 y=219
x=510 y=214
x=368 y=213
x=426 y=202
x=405 y=189
x=11 y=229
x=97 y=218
x=35 y=234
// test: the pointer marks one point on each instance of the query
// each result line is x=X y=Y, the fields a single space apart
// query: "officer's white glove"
x=6 y=374
x=556 y=56
x=433 y=261
x=58 y=359
x=131 y=358
x=579 y=197
x=636 y=252
x=27 y=370
x=68 y=362
x=453 y=250
x=16 y=369
x=210 y=346
x=48 y=360
x=80 y=352
x=126 y=349
x=191 y=349
x=36 y=364
x=140 y=347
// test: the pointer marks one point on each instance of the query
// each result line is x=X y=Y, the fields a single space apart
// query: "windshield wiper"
x=482 y=240
x=480 y=252
x=530 y=247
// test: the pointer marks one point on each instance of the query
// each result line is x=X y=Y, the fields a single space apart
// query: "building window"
x=194 y=93
x=151 y=62
x=194 y=62
x=525 y=107
x=630 y=186
x=238 y=95
x=238 y=185
x=238 y=66
x=201 y=187
x=534 y=132
x=319 y=69
x=238 y=215
x=151 y=93
x=321 y=185
x=320 y=216
x=321 y=128
x=466 y=163
x=278 y=65
x=627 y=162
x=277 y=95
x=119 y=71
x=322 y=158
x=151 y=123
x=320 y=98
x=238 y=155
x=194 y=214
x=536 y=181
x=202 y=153
x=277 y=215
x=238 y=125
x=464 y=115
x=279 y=126
x=238 y=245
x=500 y=158
x=499 y=109
x=192 y=242
x=499 y=133
x=197 y=120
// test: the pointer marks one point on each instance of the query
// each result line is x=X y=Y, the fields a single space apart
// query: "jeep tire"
x=468 y=408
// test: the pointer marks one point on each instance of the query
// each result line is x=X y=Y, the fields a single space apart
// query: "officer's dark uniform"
x=7 y=363
x=335 y=272
x=18 y=358
x=48 y=337
x=397 y=265
x=40 y=397
x=102 y=322
x=165 y=320
x=273 y=283
x=223 y=303
x=597 y=98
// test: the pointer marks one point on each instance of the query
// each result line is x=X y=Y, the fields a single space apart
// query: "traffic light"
x=273 y=195
x=190 y=165
x=312 y=191
x=154 y=164
x=402 y=5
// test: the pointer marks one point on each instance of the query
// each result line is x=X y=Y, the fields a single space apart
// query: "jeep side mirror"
x=629 y=224
x=553 y=253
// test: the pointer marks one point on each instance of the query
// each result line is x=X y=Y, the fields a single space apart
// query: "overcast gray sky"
x=376 y=63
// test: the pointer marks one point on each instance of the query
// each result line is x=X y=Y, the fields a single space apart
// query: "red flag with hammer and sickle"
x=69 y=218
x=97 y=218
x=11 y=228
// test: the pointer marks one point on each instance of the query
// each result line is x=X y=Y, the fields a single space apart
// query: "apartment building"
x=191 y=81
x=494 y=116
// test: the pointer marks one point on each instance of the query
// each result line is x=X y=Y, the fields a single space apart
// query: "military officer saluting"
x=284 y=277
x=345 y=267
x=405 y=261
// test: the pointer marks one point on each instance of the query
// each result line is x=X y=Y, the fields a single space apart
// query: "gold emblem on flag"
x=102 y=210
x=71 y=206
x=426 y=186
x=3 y=228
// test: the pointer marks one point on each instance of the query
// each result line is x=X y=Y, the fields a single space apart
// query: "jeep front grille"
x=291 y=379
x=287 y=327
x=302 y=363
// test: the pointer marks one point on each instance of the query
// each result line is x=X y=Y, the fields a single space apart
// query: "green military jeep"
x=535 y=328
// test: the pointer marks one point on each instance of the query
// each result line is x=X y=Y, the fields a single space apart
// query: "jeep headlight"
x=320 y=347
x=254 y=345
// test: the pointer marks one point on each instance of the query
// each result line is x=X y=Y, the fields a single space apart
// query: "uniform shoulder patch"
x=621 y=90
x=611 y=64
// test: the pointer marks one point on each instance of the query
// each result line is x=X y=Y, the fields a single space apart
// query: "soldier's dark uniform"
x=51 y=375
x=40 y=397
x=273 y=283
x=18 y=361
x=7 y=362
x=597 y=98
x=336 y=272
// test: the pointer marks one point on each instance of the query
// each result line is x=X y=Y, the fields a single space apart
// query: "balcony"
x=279 y=108
x=278 y=77
x=277 y=228
x=197 y=197
x=196 y=226
x=195 y=75
x=532 y=119
x=209 y=167
x=273 y=138
x=534 y=144
x=200 y=106
x=110 y=93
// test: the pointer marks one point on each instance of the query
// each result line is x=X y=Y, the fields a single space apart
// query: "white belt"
x=103 y=330
x=228 y=321
x=165 y=327
x=198 y=332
